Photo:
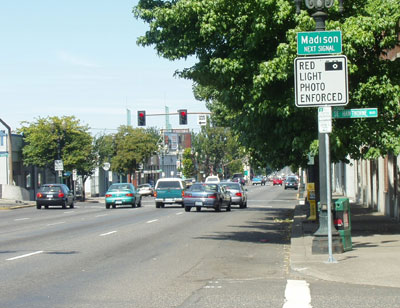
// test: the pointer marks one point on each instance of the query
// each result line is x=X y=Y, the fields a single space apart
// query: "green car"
x=121 y=194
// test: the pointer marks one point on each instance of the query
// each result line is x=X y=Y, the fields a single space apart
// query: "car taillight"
x=238 y=194
x=39 y=195
x=108 y=195
x=129 y=195
x=183 y=193
x=187 y=195
x=155 y=194
x=213 y=196
x=61 y=194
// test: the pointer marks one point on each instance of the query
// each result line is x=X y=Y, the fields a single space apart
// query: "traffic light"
x=182 y=116
x=141 y=118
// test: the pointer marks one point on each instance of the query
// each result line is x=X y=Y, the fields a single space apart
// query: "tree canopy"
x=244 y=53
x=52 y=138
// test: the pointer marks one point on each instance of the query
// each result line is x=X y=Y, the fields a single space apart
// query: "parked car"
x=207 y=195
x=54 y=194
x=212 y=179
x=277 y=181
x=121 y=194
x=291 y=182
x=238 y=193
x=169 y=191
x=145 y=190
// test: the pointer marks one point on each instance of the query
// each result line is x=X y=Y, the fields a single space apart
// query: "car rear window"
x=232 y=186
x=50 y=188
x=169 y=184
x=204 y=187
x=119 y=187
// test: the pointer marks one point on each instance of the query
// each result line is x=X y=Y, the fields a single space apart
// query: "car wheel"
x=198 y=208
x=64 y=205
x=187 y=208
x=140 y=203
x=228 y=208
x=114 y=206
x=46 y=206
x=158 y=205
x=72 y=205
x=38 y=206
x=134 y=204
x=218 y=207
x=107 y=206
x=241 y=205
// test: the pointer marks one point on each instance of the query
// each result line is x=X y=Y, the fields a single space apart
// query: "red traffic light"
x=182 y=116
x=183 y=113
x=141 y=118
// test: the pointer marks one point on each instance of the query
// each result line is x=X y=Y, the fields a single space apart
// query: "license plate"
x=118 y=202
x=49 y=196
x=198 y=203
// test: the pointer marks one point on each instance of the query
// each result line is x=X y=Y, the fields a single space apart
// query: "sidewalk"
x=374 y=259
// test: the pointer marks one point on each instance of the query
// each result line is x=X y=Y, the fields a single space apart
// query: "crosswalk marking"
x=297 y=294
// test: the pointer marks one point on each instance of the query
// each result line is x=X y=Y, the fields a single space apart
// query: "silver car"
x=237 y=192
x=207 y=195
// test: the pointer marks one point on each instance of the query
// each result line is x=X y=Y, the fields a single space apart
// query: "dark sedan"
x=207 y=195
x=291 y=182
x=54 y=194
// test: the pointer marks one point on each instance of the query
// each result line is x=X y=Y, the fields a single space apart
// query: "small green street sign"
x=319 y=42
x=355 y=113
x=4 y=154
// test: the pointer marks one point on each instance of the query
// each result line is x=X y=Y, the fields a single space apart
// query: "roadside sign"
x=355 y=113
x=74 y=174
x=202 y=119
x=106 y=166
x=58 y=165
x=325 y=120
x=321 y=81
x=319 y=42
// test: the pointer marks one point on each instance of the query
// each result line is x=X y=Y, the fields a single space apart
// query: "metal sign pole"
x=331 y=259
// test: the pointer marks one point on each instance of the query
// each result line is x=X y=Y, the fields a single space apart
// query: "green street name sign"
x=355 y=113
x=319 y=42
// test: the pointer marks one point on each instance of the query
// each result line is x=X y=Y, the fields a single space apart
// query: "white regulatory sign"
x=58 y=165
x=325 y=119
x=321 y=81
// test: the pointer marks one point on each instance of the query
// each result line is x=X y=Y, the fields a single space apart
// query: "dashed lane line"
x=108 y=233
x=24 y=256
x=297 y=294
x=151 y=221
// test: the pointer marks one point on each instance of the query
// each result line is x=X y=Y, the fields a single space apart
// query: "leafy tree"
x=217 y=150
x=104 y=148
x=245 y=51
x=133 y=146
x=188 y=164
x=52 y=138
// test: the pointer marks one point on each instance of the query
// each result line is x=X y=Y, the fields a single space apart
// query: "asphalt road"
x=147 y=257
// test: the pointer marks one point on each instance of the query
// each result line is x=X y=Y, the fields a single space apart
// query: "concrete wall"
x=14 y=192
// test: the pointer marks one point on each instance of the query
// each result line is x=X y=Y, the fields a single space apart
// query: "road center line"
x=20 y=219
x=101 y=215
x=24 y=256
x=108 y=233
x=180 y=213
x=151 y=221
x=297 y=294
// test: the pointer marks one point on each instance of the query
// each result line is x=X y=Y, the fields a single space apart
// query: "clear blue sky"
x=79 y=57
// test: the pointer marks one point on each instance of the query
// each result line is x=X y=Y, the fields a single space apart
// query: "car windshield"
x=203 y=187
x=169 y=184
x=120 y=187
x=291 y=180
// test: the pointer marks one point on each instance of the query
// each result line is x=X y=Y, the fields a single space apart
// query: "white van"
x=212 y=179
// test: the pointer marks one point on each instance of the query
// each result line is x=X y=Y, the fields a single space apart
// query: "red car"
x=277 y=181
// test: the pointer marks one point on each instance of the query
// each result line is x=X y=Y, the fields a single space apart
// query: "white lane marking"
x=56 y=223
x=180 y=213
x=20 y=219
x=108 y=233
x=297 y=294
x=151 y=221
x=69 y=212
x=101 y=215
x=24 y=256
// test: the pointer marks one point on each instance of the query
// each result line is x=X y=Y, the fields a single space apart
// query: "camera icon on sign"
x=333 y=66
